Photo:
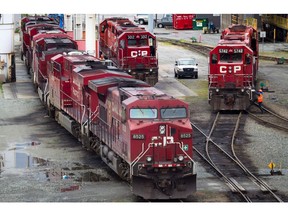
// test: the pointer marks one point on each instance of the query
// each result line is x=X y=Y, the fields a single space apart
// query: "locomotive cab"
x=231 y=77
x=131 y=48
x=160 y=138
x=233 y=66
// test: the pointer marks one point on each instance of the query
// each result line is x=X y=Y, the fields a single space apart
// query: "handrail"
x=150 y=145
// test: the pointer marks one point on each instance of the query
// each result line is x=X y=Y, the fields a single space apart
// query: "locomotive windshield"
x=143 y=113
x=233 y=57
x=137 y=40
x=173 y=113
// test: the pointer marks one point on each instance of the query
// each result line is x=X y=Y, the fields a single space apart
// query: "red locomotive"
x=233 y=66
x=141 y=133
x=131 y=48
x=47 y=45
x=32 y=31
x=25 y=23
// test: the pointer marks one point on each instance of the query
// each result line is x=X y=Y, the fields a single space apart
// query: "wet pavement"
x=40 y=161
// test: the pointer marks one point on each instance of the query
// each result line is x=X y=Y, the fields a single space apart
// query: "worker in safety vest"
x=260 y=99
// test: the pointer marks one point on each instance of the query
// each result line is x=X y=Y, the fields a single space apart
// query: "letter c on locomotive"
x=223 y=69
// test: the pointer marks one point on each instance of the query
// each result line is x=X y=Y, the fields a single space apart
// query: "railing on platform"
x=276 y=20
x=251 y=21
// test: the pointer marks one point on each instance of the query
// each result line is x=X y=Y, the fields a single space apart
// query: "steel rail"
x=210 y=161
x=258 y=118
x=260 y=182
x=234 y=158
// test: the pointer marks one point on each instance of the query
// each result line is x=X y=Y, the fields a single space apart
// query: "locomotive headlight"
x=149 y=159
x=181 y=158
x=242 y=90
x=217 y=90
x=162 y=129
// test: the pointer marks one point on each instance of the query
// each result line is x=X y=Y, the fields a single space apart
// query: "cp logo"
x=225 y=69
x=139 y=53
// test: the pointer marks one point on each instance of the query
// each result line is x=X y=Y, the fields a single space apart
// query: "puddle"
x=72 y=175
x=16 y=158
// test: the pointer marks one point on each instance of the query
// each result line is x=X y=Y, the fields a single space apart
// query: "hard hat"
x=260 y=90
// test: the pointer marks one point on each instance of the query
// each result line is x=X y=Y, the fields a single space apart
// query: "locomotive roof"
x=145 y=92
x=101 y=85
x=58 y=51
x=78 y=58
x=86 y=67
x=124 y=24
x=49 y=34
x=39 y=18
x=41 y=26
x=48 y=31
x=238 y=33
x=97 y=68
x=39 y=22
x=240 y=28
x=232 y=42
x=121 y=21
x=55 y=40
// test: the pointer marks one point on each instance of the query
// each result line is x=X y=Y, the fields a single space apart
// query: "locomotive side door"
x=152 y=45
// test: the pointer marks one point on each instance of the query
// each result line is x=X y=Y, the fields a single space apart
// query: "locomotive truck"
x=233 y=66
x=141 y=133
x=130 y=47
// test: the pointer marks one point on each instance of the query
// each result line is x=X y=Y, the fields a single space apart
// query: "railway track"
x=202 y=49
x=218 y=151
x=270 y=118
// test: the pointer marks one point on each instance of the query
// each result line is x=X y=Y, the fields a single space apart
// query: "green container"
x=199 y=23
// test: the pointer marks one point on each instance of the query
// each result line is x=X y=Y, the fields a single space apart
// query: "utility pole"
x=90 y=34
x=78 y=27
x=150 y=23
